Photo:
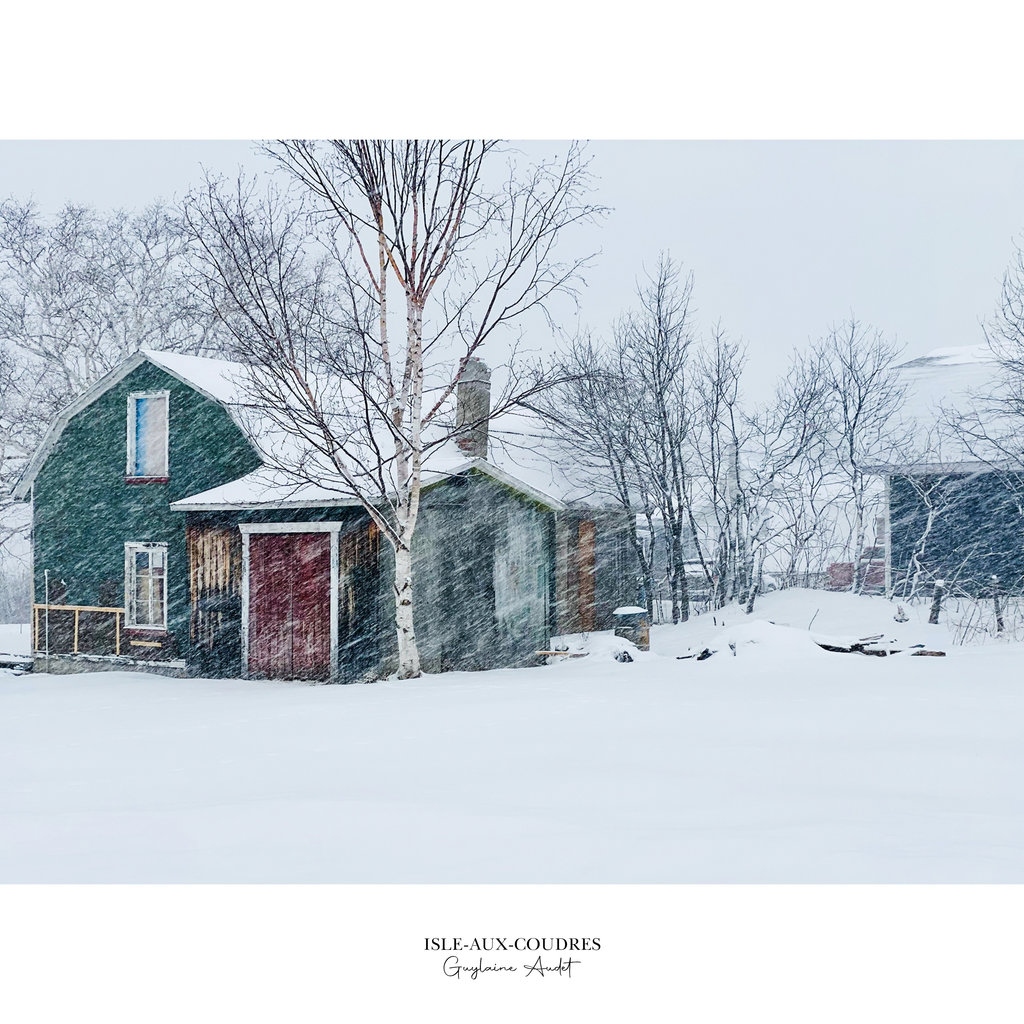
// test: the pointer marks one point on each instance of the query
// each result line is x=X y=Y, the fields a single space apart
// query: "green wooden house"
x=161 y=539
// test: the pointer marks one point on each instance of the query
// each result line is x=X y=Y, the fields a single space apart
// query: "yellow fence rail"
x=77 y=609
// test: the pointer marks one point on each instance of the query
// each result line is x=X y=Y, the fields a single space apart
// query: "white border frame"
x=129 y=575
x=334 y=529
x=129 y=465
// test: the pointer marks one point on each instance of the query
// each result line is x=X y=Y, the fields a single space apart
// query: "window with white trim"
x=147 y=434
x=145 y=572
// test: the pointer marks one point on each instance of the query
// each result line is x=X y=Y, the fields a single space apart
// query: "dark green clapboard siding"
x=975 y=533
x=84 y=512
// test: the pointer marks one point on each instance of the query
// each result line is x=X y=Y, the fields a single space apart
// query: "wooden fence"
x=56 y=628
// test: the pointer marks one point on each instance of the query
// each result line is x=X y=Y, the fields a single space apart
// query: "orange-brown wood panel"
x=215 y=575
x=587 y=566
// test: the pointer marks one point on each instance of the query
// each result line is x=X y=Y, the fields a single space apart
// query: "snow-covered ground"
x=779 y=763
x=15 y=638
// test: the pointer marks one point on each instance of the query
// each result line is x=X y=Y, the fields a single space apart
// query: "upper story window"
x=147 y=435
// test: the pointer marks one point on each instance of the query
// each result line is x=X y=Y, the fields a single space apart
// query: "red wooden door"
x=290 y=605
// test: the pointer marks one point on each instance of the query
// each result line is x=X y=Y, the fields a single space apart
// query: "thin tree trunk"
x=408 y=651
x=750 y=599
x=858 y=551
x=408 y=470
x=680 y=588
x=644 y=564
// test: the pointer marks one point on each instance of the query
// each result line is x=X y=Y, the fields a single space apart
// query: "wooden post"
x=35 y=628
x=76 y=632
x=933 y=618
x=117 y=632
x=996 y=600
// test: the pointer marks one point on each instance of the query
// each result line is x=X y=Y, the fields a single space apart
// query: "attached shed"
x=304 y=588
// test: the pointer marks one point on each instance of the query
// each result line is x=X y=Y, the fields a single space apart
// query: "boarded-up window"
x=147 y=434
x=359 y=553
x=215 y=574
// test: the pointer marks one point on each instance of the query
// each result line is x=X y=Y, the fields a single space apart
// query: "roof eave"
x=56 y=428
x=184 y=505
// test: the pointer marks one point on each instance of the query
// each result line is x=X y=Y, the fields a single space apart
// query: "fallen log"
x=702 y=655
x=869 y=646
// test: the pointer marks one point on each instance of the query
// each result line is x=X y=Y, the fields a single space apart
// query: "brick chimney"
x=473 y=408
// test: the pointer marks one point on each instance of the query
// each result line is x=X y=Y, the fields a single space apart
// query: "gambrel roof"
x=216 y=379
x=521 y=456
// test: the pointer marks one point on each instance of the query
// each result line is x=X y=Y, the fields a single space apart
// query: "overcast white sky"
x=784 y=238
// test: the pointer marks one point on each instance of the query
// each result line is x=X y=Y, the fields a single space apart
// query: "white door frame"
x=247 y=530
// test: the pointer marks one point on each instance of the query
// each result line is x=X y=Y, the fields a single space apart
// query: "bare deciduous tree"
x=79 y=292
x=864 y=402
x=82 y=290
x=624 y=410
x=307 y=294
x=596 y=415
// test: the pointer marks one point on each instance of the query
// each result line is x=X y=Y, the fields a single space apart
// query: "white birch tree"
x=308 y=296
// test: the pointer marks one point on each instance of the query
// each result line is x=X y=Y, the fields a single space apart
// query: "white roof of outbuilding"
x=947 y=380
x=270 y=488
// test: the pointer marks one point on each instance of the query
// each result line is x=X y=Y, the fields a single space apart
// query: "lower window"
x=146 y=585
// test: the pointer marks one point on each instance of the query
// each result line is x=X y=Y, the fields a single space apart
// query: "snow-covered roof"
x=959 y=355
x=264 y=487
x=521 y=455
x=521 y=445
x=945 y=380
x=219 y=379
x=270 y=488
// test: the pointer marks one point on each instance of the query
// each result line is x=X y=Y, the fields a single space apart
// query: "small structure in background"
x=872 y=572
x=952 y=500
x=633 y=624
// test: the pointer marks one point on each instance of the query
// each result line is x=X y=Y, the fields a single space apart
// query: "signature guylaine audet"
x=454 y=968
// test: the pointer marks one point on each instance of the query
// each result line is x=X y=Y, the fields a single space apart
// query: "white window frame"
x=131 y=548
x=130 y=461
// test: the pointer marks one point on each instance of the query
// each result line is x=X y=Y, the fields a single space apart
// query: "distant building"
x=951 y=515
